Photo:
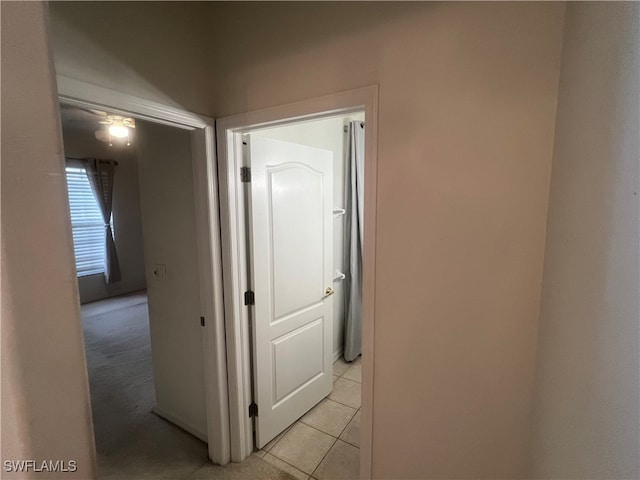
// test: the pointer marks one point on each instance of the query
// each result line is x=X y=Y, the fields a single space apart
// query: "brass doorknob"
x=328 y=291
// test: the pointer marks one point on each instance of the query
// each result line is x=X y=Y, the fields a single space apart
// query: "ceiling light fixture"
x=119 y=127
x=118 y=131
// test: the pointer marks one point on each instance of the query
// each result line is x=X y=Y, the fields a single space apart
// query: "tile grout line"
x=327 y=433
x=357 y=410
x=316 y=429
x=281 y=436
x=334 y=443
x=353 y=364
x=290 y=464
x=335 y=439
x=344 y=404
x=322 y=459
x=349 y=380
x=345 y=427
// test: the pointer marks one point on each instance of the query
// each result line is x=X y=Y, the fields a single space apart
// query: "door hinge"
x=202 y=321
x=253 y=410
x=245 y=174
x=249 y=298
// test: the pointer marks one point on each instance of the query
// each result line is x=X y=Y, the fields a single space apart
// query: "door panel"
x=297 y=359
x=294 y=191
x=291 y=252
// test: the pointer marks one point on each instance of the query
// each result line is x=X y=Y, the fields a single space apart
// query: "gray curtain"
x=354 y=208
x=100 y=174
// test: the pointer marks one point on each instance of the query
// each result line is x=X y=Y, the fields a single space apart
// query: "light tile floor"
x=325 y=443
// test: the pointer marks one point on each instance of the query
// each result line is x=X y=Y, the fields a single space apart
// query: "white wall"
x=46 y=414
x=169 y=236
x=126 y=215
x=327 y=134
x=587 y=398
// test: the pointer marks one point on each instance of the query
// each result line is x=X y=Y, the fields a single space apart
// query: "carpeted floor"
x=132 y=442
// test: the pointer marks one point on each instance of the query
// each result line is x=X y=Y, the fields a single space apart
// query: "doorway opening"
x=305 y=237
x=133 y=223
x=176 y=158
x=287 y=180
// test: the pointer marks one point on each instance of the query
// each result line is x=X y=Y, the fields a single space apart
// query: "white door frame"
x=229 y=131
x=82 y=94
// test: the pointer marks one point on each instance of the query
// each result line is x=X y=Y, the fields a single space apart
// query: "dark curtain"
x=100 y=174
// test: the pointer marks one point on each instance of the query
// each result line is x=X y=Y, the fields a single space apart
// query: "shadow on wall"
x=587 y=390
x=337 y=42
x=295 y=27
x=171 y=52
x=154 y=50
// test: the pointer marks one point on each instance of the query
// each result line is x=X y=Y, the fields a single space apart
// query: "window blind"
x=86 y=224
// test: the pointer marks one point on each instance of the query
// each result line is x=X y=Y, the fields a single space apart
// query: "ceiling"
x=76 y=118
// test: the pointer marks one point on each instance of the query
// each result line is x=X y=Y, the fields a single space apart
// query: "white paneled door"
x=291 y=258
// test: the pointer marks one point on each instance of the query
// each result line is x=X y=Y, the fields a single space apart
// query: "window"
x=86 y=224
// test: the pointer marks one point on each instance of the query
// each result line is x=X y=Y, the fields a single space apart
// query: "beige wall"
x=126 y=215
x=467 y=110
x=45 y=394
x=328 y=134
x=586 y=422
x=466 y=122
x=169 y=232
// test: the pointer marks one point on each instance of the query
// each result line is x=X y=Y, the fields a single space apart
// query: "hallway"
x=132 y=442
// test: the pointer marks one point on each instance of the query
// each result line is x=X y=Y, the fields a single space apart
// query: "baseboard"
x=108 y=295
x=187 y=428
x=337 y=354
